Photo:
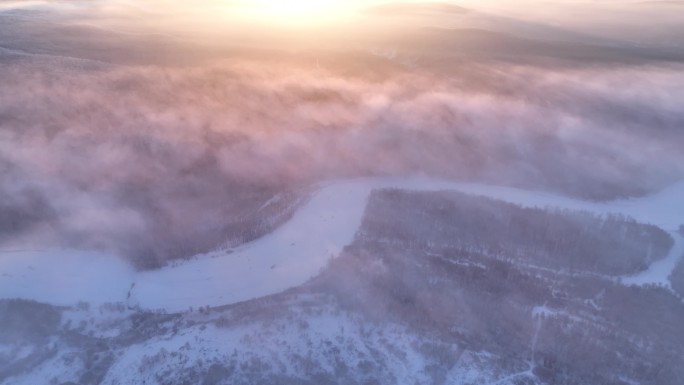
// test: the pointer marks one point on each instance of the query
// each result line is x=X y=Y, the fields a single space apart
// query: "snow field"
x=290 y=255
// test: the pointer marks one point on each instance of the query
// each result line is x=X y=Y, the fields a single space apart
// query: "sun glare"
x=296 y=12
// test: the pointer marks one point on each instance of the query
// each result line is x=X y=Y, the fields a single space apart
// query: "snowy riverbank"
x=287 y=257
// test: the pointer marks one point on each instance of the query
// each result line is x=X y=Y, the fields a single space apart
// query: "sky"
x=616 y=19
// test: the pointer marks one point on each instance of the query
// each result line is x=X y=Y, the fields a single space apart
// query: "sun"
x=295 y=12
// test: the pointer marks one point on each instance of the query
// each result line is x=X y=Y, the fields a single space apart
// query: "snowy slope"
x=327 y=344
x=289 y=256
x=259 y=341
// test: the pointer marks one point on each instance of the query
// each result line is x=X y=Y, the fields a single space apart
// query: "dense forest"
x=417 y=297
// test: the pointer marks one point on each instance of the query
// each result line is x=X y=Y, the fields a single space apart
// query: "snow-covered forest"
x=343 y=192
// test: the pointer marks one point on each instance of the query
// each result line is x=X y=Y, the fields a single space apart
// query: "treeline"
x=254 y=224
x=245 y=218
x=555 y=238
x=590 y=330
x=677 y=277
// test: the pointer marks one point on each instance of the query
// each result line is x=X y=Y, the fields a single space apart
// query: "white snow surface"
x=658 y=272
x=281 y=344
x=290 y=255
x=285 y=258
x=64 y=277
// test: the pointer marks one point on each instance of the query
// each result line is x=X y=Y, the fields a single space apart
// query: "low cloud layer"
x=154 y=162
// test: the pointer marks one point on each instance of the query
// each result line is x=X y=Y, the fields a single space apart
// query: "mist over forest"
x=161 y=132
x=153 y=132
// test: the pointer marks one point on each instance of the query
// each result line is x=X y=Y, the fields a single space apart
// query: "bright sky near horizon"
x=290 y=12
x=296 y=10
x=216 y=20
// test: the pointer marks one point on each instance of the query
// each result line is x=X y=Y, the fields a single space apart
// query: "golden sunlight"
x=296 y=12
